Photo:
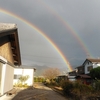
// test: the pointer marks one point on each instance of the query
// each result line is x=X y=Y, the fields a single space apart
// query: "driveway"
x=40 y=92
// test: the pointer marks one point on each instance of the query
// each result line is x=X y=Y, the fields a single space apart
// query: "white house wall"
x=30 y=73
x=3 y=78
x=6 y=78
x=86 y=67
x=24 y=72
x=8 y=83
x=17 y=72
x=96 y=65
x=0 y=75
x=90 y=64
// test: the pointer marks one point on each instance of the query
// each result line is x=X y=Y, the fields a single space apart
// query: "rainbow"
x=67 y=26
x=41 y=33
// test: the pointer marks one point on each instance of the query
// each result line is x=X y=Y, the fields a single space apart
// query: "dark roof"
x=80 y=66
x=83 y=76
x=93 y=60
x=72 y=73
x=9 y=33
x=25 y=68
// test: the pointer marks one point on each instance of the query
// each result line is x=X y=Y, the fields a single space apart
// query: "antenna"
x=88 y=55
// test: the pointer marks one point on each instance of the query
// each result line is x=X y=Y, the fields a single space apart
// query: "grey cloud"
x=83 y=17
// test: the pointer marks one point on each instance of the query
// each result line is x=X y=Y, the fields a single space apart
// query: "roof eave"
x=13 y=33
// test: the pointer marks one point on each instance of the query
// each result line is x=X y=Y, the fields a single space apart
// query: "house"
x=65 y=78
x=61 y=78
x=72 y=73
x=78 y=70
x=82 y=72
x=90 y=64
x=85 y=68
x=85 y=79
x=9 y=55
x=22 y=71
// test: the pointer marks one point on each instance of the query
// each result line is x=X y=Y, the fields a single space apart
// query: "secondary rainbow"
x=41 y=33
x=67 y=26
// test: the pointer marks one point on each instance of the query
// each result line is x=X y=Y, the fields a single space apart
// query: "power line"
x=41 y=56
x=48 y=62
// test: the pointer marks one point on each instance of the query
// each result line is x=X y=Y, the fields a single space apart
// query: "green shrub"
x=97 y=85
x=39 y=79
x=35 y=79
x=25 y=85
x=20 y=85
x=76 y=89
x=15 y=85
x=81 y=89
x=23 y=79
x=67 y=86
x=96 y=88
x=54 y=83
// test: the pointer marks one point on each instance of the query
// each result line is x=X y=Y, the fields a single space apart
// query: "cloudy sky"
x=73 y=26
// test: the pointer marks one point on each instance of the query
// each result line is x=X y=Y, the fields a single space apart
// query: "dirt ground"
x=39 y=92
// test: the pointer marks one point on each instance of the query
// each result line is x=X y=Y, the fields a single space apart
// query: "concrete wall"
x=24 y=72
x=6 y=52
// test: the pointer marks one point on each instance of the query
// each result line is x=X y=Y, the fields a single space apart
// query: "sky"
x=52 y=28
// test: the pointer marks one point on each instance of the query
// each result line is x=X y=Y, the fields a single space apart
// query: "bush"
x=54 y=83
x=23 y=79
x=25 y=85
x=96 y=88
x=97 y=85
x=67 y=86
x=50 y=83
x=19 y=84
x=77 y=90
x=81 y=89
x=39 y=79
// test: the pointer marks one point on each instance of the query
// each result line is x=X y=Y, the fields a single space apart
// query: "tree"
x=95 y=73
x=23 y=79
x=51 y=73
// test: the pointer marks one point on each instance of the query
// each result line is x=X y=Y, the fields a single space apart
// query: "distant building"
x=9 y=55
x=72 y=73
x=82 y=72
x=85 y=68
x=85 y=79
x=18 y=72
x=61 y=78
x=90 y=64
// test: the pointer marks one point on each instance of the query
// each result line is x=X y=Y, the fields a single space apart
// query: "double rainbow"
x=41 y=33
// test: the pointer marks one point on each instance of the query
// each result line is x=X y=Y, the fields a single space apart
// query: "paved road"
x=40 y=92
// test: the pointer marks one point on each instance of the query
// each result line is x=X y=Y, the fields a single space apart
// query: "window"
x=17 y=76
x=89 y=68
